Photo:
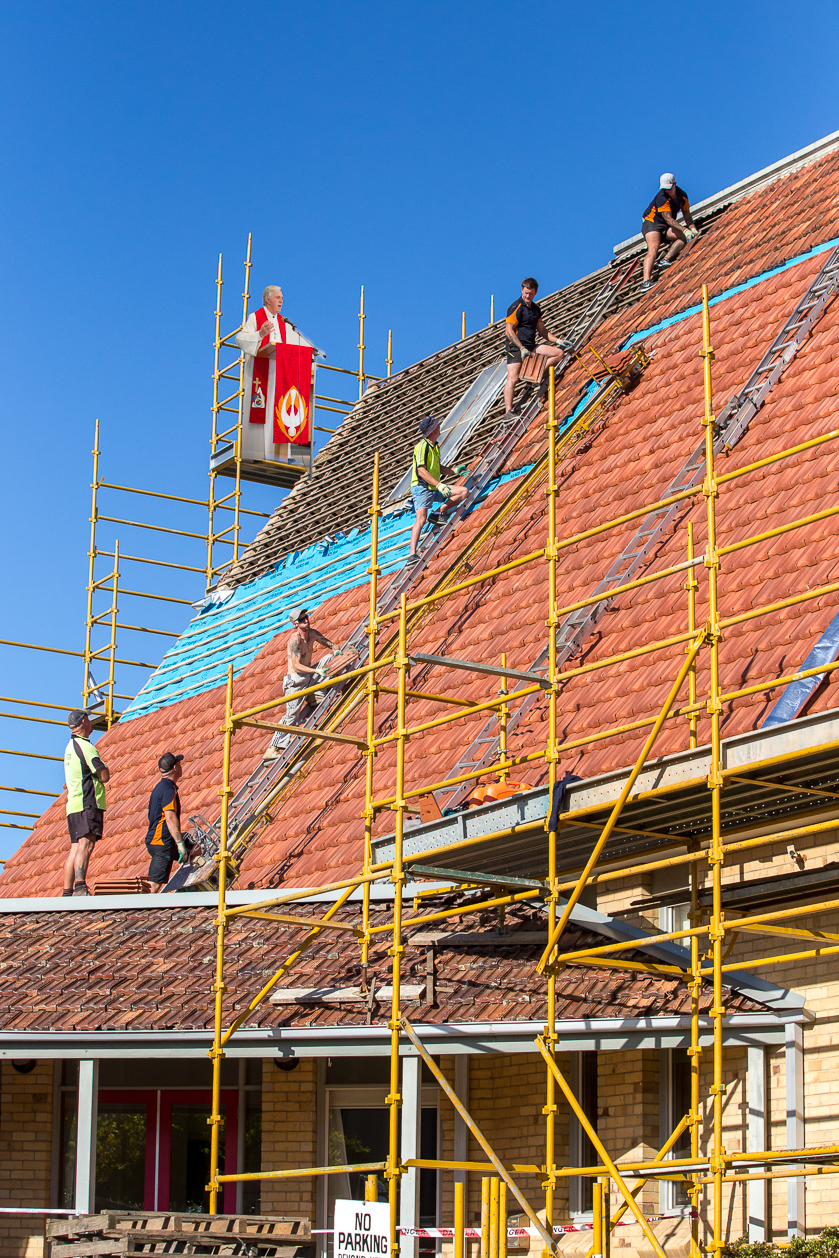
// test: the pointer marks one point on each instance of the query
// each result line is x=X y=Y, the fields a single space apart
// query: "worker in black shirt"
x=524 y=320
x=659 y=223
x=164 y=840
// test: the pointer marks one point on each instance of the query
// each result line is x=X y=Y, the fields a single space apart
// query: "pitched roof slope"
x=755 y=259
x=386 y=419
x=86 y=972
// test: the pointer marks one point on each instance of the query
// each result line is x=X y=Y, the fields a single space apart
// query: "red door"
x=153 y=1149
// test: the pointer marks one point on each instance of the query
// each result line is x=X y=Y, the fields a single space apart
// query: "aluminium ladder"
x=731 y=425
x=249 y=806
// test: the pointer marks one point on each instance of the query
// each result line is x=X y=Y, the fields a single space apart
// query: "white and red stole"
x=281 y=386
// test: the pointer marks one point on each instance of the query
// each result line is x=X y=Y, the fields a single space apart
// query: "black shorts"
x=647 y=227
x=514 y=353
x=162 y=858
x=88 y=822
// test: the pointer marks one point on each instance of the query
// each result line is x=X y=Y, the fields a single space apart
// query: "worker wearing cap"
x=523 y=321
x=428 y=485
x=302 y=674
x=164 y=839
x=659 y=223
x=85 y=774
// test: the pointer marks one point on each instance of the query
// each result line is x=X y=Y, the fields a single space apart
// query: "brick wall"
x=25 y=1142
x=289 y=1136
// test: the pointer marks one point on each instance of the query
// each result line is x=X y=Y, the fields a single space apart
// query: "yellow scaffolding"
x=104 y=586
x=712 y=1171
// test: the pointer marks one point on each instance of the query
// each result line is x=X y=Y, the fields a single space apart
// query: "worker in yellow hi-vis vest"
x=428 y=485
x=85 y=774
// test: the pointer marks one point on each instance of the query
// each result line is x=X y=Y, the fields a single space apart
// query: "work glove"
x=690 y=232
x=183 y=854
x=525 y=353
x=444 y=489
x=463 y=469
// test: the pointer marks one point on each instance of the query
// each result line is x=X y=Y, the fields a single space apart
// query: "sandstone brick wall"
x=25 y=1143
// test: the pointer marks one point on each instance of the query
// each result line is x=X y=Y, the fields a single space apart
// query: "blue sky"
x=433 y=153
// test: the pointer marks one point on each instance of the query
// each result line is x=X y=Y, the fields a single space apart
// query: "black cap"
x=167 y=762
x=427 y=424
x=76 y=717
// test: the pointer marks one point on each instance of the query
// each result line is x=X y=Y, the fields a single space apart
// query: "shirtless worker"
x=524 y=320
x=302 y=674
x=659 y=223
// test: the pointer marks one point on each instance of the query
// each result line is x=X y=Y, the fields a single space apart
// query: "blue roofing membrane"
x=237 y=630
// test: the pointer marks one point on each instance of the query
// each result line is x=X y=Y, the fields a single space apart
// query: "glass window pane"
x=427 y=1177
x=67 y=1155
x=355 y=1135
x=190 y=1165
x=253 y=1152
x=175 y=1072
x=121 y=1156
x=362 y=1135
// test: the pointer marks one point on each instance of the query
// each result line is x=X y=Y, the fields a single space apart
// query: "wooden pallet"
x=146 y=1232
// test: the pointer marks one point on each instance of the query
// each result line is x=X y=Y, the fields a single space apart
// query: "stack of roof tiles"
x=757 y=257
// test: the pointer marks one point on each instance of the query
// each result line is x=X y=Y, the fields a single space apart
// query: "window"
x=355 y=1127
x=582 y=1153
x=152 y=1137
x=674 y=1103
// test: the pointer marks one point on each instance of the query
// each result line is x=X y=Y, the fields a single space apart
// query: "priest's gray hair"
x=272 y=288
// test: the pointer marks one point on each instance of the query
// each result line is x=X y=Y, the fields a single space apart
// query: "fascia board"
x=603 y=1034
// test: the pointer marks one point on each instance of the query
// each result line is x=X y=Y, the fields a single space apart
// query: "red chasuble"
x=292 y=394
x=292 y=387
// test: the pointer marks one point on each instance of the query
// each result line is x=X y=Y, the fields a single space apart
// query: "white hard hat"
x=667 y=180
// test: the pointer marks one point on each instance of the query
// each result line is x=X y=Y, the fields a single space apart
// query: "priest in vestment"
x=264 y=329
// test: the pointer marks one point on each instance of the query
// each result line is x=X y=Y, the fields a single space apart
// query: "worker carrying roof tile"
x=659 y=224
x=430 y=483
x=85 y=774
x=164 y=840
x=523 y=322
x=302 y=674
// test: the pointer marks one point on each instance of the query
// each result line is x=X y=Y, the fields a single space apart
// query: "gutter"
x=475 y=1038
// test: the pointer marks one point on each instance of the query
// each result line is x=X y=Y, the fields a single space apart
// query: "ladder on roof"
x=248 y=809
x=731 y=426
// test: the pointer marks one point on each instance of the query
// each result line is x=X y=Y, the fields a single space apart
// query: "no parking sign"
x=362 y=1229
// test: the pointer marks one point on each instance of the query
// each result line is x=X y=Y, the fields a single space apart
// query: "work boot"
x=81 y=888
x=411 y=561
x=273 y=753
x=68 y=892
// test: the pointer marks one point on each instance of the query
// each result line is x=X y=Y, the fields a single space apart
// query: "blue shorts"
x=425 y=496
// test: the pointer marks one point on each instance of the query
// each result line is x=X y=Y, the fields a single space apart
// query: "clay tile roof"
x=316 y=831
x=118 y=969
